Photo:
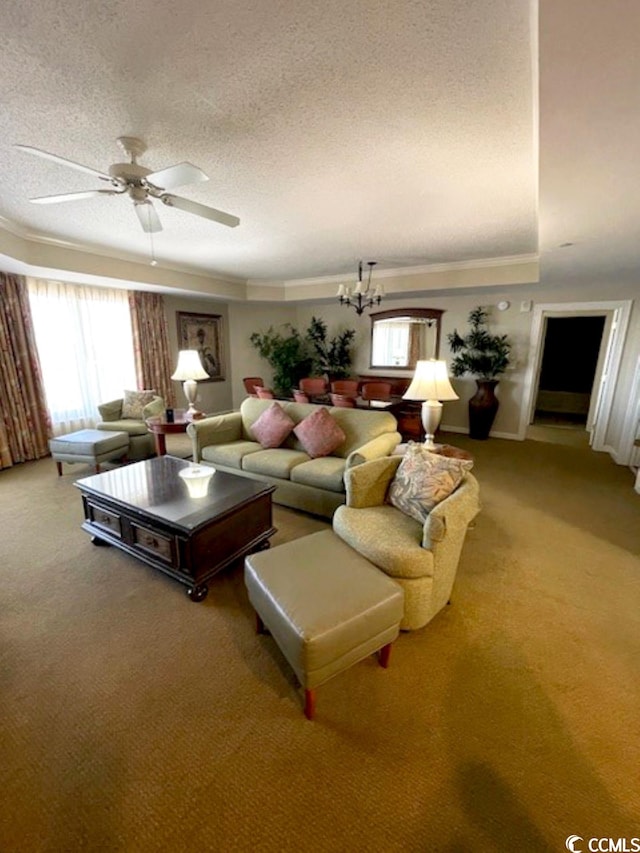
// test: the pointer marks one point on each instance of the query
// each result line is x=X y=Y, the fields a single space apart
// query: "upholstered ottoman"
x=92 y=446
x=326 y=607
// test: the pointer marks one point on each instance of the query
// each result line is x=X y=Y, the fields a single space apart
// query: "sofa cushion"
x=273 y=426
x=276 y=462
x=135 y=401
x=361 y=426
x=132 y=427
x=230 y=454
x=319 y=433
x=387 y=537
x=327 y=472
x=423 y=479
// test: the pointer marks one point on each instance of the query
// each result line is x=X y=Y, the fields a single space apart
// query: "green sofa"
x=313 y=485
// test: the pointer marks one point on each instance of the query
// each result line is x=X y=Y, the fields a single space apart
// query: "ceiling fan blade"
x=148 y=217
x=54 y=199
x=199 y=209
x=177 y=176
x=63 y=161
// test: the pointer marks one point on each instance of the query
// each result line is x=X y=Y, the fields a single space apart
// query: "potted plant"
x=331 y=357
x=485 y=357
x=289 y=355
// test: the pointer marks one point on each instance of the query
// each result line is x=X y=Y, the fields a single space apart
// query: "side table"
x=442 y=449
x=161 y=427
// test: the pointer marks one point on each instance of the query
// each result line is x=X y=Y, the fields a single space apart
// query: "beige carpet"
x=136 y=720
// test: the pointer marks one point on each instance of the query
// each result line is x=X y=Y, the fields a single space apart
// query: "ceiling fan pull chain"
x=153 y=254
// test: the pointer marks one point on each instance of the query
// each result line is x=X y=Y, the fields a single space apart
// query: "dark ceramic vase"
x=482 y=408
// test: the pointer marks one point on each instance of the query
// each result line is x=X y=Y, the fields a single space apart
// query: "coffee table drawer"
x=152 y=542
x=105 y=518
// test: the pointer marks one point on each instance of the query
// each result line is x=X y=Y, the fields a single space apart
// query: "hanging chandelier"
x=362 y=296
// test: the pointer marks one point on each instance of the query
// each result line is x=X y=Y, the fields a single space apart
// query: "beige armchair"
x=141 y=441
x=421 y=558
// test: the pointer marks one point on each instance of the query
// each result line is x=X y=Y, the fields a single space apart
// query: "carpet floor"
x=136 y=720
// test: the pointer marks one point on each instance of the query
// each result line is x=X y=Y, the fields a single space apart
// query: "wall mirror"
x=402 y=336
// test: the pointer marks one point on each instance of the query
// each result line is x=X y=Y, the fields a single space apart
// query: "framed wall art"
x=203 y=332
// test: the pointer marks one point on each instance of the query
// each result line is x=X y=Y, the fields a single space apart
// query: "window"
x=85 y=344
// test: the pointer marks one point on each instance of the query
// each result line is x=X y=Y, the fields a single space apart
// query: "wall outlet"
x=525 y=306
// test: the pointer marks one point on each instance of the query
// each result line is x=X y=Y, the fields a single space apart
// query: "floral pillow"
x=319 y=433
x=423 y=479
x=135 y=401
x=272 y=427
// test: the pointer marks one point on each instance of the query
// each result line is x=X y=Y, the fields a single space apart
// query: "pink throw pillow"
x=319 y=434
x=273 y=426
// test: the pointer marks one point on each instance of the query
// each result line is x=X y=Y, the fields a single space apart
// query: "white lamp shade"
x=189 y=366
x=196 y=479
x=430 y=382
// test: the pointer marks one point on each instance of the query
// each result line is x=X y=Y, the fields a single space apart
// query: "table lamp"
x=189 y=370
x=196 y=478
x=430 y=384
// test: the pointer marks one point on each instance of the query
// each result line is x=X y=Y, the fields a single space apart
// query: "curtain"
x=416 y=338
x=24 y=421
x=84 y=339
x=151 y=343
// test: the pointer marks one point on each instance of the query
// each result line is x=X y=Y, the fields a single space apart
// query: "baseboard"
x=510 y=436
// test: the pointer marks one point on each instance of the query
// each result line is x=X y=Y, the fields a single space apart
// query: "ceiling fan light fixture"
x=140 y=184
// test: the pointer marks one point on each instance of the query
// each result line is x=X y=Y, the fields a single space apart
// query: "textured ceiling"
x=402 y=131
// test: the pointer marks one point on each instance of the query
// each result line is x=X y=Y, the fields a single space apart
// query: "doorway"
x=568 y=371
x=615 y=318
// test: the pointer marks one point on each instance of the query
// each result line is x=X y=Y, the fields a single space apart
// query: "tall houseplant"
x=289 y=355
x=293 y=356
x=485 y=357
x=331 y=357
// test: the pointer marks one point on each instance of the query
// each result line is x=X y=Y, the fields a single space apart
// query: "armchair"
x=141 y=441
x=421 y=558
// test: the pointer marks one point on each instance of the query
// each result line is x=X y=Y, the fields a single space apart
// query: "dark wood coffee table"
x=146 y=510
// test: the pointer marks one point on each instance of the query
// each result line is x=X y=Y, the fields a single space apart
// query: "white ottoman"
x=92 y=446
x=326 y=606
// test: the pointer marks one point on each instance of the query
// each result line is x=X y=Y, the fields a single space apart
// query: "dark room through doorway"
x=569 y=362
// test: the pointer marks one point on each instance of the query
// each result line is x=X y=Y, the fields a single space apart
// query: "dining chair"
x=250 y=383
x=375 y=391
x=264 y=393
x=314 y=386
x=345 y=386
x=343 y=401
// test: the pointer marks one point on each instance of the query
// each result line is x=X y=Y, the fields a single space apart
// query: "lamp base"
x=190 y=388
x=431 y=414
x=193 y=414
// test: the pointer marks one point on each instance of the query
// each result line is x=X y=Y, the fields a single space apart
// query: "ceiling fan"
x=140 y=184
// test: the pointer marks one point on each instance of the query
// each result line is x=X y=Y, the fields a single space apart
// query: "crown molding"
x=398 y=272
x=85 y=249
x=45 y=256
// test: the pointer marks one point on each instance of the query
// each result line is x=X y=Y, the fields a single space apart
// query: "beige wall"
x=513 y=322
x=456 y=310
x=244 y=319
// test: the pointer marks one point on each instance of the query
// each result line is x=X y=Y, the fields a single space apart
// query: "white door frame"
x=612 y=346
x=631 y=429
